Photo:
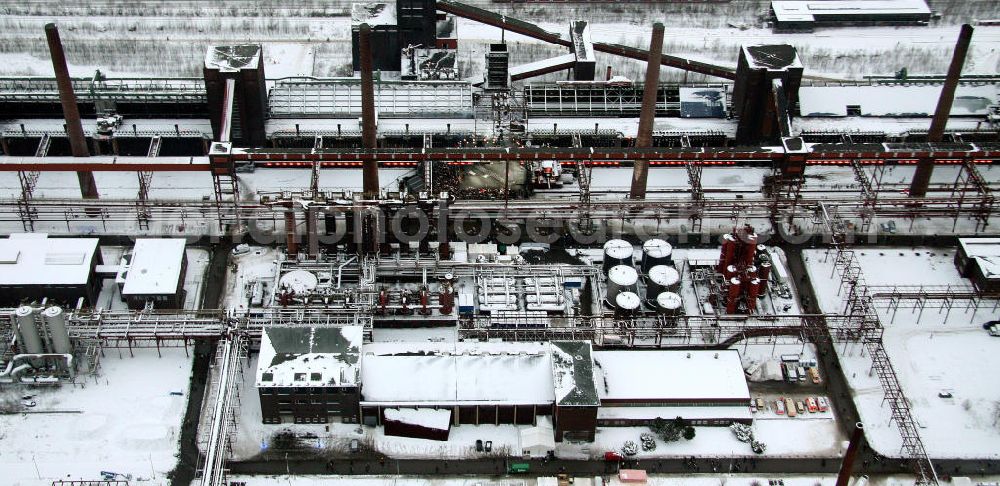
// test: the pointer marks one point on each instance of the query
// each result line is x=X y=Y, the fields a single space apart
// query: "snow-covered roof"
x=233 y=58
x=36 y=259
x=976 y=247
x=888 y=100
x=573 y=374
x=155 y=267
x=669 y=376
x=422 y=417
x=688 y=412
x=309 y=356
x=426 y=373
x=373 y=13
x=539 y=436
x=773 y=57
x=809 y=10
x=985 y=252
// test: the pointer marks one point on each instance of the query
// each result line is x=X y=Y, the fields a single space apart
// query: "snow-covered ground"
x=125 y=420
x=931 y=351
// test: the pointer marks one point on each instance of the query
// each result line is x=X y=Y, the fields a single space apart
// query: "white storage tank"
x=299 y=282
x=627 y=301
x=661 y=278
x=27 y=331
x=621 y=278
x=669 y=303
x=617 y=252
x=656 y=252
x=55 y=321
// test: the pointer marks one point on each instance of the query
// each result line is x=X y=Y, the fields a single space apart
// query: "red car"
x=811 y=405
x=613 y=456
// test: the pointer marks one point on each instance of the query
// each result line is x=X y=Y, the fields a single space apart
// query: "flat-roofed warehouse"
x=34 y=266
x=484 y=383
x=705 y=387
x=804 y=15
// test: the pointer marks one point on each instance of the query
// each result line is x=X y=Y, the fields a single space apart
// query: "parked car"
x=761 y=404
x=355 y=446
x=800 y=407
x=945 y=394
x=612 y=456
x=811 y=405
x=790 y=407
x=779 y=406
x=801 y=372
x=822 y=404
x=488 y=446
x=814 y=375
x=479 y=445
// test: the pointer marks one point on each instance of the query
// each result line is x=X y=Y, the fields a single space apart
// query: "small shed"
x=538 y=441
x=154 y=271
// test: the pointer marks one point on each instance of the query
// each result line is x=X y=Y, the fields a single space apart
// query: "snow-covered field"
x=126 y=420
x=931 y=352
x=314 y=39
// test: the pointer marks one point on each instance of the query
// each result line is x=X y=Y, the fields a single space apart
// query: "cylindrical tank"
x=656 y=252
x=728 y=255
x=617 y=252
x=753 y=291
x=764 y=274
x=627 y=301
x=730 y=272
x=749 y=249
x=55 y=321
x=661 y=278
x=761 y=255
x=733 y=295
x=750 y=272
x=669 y=303
x=621 y=278
x=299 y=282
x=29 y=339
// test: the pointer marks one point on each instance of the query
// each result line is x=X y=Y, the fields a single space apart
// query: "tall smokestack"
x=844 y=476
x=925 y=167
x=370 y=168
x=644 y=138
x=71 y=113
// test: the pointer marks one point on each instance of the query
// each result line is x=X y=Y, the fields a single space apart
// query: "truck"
x=790 y=407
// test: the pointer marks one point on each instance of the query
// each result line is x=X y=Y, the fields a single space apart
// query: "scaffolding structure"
x=860 y=306
x=871 y=186
x=972 y=187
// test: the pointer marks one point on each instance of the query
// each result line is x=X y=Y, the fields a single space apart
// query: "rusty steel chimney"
x=844 y=476
x=71 y=113
x=370 y=168
x=925 y=166
x=644 y=139
x=291 y=238
x=312 y=232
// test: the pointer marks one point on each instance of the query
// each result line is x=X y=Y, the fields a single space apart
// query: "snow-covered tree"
x=629 y=448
